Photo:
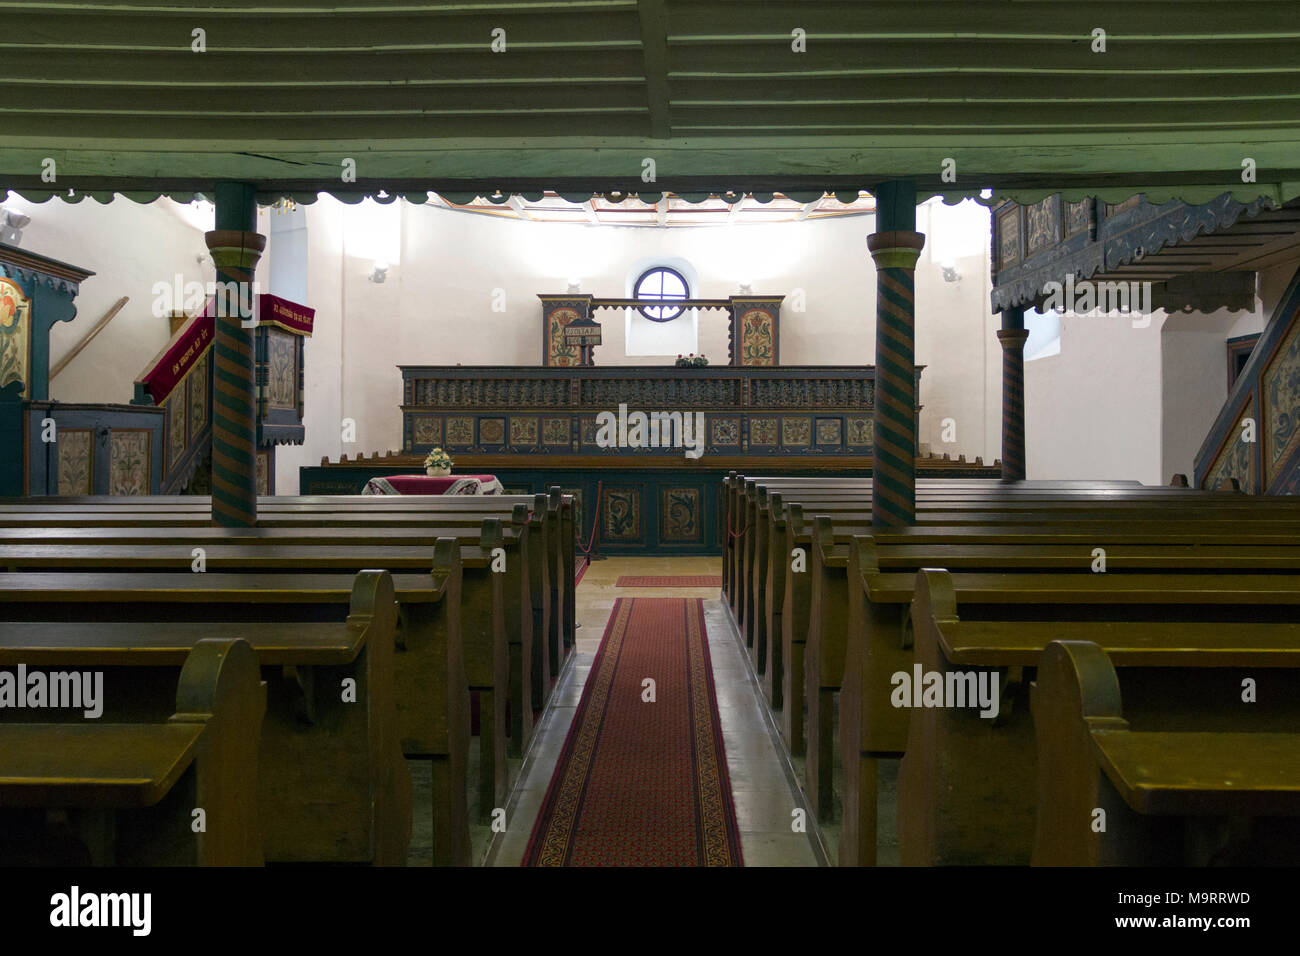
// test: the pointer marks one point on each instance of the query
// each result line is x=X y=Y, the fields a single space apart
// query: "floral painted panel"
x=762 y=431
x=757 y=338
x=492 y=431
x=128 y=472
x=622 y=519
x=200 y=396
x=281 y=369
x=76 y=461
x=1009 y=236
x=679 y=514
x=15 y=333
x=1236 y=458
x=460 y=430
x=175 y=406
x=555 y=431
x=1077 y=216
x=829 y=431
x=860 y=430
x=795 y=431
x=1043 y=224
x=523 y=430
x=1282 y=403
x=724 y=431
x=428 y=430
x=559 y=352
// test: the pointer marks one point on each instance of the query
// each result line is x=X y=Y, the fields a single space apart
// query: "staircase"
x=1255 y=440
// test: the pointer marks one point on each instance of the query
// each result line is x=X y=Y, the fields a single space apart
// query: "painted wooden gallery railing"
x=791 y=411
x=536 y=427
x=1255 y=440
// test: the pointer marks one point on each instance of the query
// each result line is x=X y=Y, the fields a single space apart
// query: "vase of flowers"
x=692 y=361
x=437 y=463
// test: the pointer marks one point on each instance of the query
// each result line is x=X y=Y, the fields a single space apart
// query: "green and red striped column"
x=895 y=247
x=236 y=248
x=1012 y=335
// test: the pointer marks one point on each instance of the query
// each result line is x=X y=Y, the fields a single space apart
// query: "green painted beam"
x=654 y=53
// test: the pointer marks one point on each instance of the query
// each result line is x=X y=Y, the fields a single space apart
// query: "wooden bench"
x=1169 y=796
x=333 y=785
x=967 y=784
x=495 y=619
x=125 y=794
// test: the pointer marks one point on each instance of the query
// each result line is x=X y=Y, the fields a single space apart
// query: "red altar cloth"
x=429 y=485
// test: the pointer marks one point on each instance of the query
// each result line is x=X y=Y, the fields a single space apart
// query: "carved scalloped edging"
x=1164 y=229
x=35 y=275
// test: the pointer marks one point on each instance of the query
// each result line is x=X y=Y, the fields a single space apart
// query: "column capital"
x=234 y=248
x=896 y=250
x=1012 y=338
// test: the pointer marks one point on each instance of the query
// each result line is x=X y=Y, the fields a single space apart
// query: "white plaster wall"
x=1094 y=410
x=1194 y=383
x=437 y=304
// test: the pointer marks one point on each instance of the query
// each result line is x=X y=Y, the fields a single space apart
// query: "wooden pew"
x=1170 y=797
x=333 y=784
x=486 y=624
x=147 y=778
x=967 y=784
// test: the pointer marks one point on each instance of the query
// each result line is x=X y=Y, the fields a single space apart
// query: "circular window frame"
x=662 y=304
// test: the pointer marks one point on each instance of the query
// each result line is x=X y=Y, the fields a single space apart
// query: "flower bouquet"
x=437 y=463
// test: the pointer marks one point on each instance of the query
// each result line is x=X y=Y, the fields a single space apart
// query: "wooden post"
x=1012 y=335
x=236 y=248
x=895 y=247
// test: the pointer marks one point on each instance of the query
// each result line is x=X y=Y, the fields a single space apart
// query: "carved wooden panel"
x=680 y=513
x=1042 y=225
x=1281 y=425
x=15 y=334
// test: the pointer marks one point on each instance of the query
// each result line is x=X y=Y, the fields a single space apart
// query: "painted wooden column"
x=236 y=247
x=1012 y=335
x=895 y=247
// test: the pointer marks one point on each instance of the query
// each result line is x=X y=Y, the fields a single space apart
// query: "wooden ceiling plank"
x=654 y=54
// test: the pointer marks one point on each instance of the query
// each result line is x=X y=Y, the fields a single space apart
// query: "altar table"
x=430 y=485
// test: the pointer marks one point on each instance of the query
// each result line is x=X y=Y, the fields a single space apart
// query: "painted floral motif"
x=1236 y=459
x=128 y=472
x=75 y=462
x=795 y=431
x=622 y=514
x=558 y=351
x=1009 y=236
x=860 y=430
x=281 y=369
x=460 y=431
x=1077 y=215
x=757 y=341
x=587 y=426
x=724 y=431
x=1042 y=224
x=428 y=430
x=523 y=431
x=679 y=511
x=175 y=406
x=199 y=396
x=1282 y=401
x=828 y=431
x=555 y=431
x=762 y=431
x=492 y=431
x=15 y=328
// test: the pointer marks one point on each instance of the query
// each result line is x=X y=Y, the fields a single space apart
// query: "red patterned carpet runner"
x=669 y=581
x=643 y=783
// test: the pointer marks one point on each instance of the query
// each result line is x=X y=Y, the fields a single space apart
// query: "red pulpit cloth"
x=428 y=485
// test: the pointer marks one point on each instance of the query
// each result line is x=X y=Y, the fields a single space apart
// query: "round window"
x=661 y=284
